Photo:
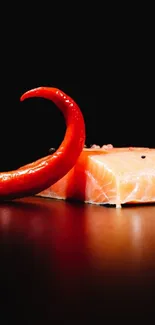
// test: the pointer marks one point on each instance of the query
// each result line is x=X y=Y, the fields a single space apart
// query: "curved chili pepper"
x=39 y=175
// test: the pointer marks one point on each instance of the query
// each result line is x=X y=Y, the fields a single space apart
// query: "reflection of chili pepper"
x=35 y=177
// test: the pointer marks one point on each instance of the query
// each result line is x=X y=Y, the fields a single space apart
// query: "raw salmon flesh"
x=108 y=175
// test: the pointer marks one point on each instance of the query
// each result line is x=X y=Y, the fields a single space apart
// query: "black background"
x=104 y=63
x=103 y=59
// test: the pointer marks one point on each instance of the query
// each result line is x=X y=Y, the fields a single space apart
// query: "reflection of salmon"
x=109 y=175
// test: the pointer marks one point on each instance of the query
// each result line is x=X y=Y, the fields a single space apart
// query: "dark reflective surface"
x=63 y=261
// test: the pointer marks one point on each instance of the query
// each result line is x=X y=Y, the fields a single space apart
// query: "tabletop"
x=60 y=260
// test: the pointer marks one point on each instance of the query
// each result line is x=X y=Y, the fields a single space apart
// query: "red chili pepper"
x=39 y=175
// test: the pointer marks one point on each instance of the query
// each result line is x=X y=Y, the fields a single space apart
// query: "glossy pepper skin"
x=41 y=174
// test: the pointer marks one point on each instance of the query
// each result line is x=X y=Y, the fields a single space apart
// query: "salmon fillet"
x=109 y=175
